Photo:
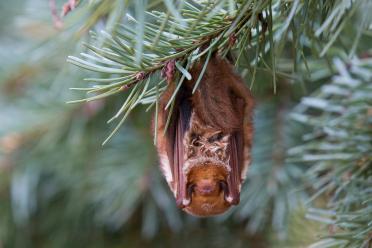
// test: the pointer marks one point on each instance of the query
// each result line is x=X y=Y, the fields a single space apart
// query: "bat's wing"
x=235 y=155
x=181 y=123
x=170 y=142
x=235 y=162
x=240 y=141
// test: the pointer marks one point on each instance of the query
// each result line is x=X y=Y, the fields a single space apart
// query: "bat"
x=204 y=152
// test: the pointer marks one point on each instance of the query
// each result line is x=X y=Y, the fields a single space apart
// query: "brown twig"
x=57 y=21
x=69 y=6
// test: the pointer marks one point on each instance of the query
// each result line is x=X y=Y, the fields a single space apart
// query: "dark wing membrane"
x=169 y=141
x=235 y=153
x=175 y=150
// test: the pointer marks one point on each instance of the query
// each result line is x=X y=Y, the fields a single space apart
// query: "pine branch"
x=137 y=61
x=135 y=52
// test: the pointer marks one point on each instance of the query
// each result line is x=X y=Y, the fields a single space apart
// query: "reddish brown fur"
x=223 y=94
x=215 y=95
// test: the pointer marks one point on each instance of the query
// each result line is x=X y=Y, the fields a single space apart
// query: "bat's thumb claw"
x=233 y=200
x=182 y=202
x=179 y=203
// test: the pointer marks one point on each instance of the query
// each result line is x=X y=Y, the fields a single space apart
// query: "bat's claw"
x=179 y=203
x=233 y=200
x=182 y=203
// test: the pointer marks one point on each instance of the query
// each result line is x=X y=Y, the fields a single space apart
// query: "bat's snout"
x=207 y=187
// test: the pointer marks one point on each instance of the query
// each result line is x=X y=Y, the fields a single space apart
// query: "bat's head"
x=206 y=190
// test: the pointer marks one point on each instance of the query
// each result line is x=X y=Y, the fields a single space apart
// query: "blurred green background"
x=60 y=188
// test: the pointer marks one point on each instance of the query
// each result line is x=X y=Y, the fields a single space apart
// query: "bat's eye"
x=215 y=137
x=190 y=189
x=224 y=187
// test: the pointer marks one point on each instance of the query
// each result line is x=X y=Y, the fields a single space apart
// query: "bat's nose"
x=205 y=190
x=206 y=187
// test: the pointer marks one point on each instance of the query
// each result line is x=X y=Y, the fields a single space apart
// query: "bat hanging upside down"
x=205 y=151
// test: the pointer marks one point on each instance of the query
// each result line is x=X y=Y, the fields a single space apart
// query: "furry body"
x=205 y=152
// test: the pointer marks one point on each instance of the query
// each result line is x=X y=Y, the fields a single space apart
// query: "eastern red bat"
x=205 y=151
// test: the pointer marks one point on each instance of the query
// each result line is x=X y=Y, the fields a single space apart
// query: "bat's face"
x=207 y=190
